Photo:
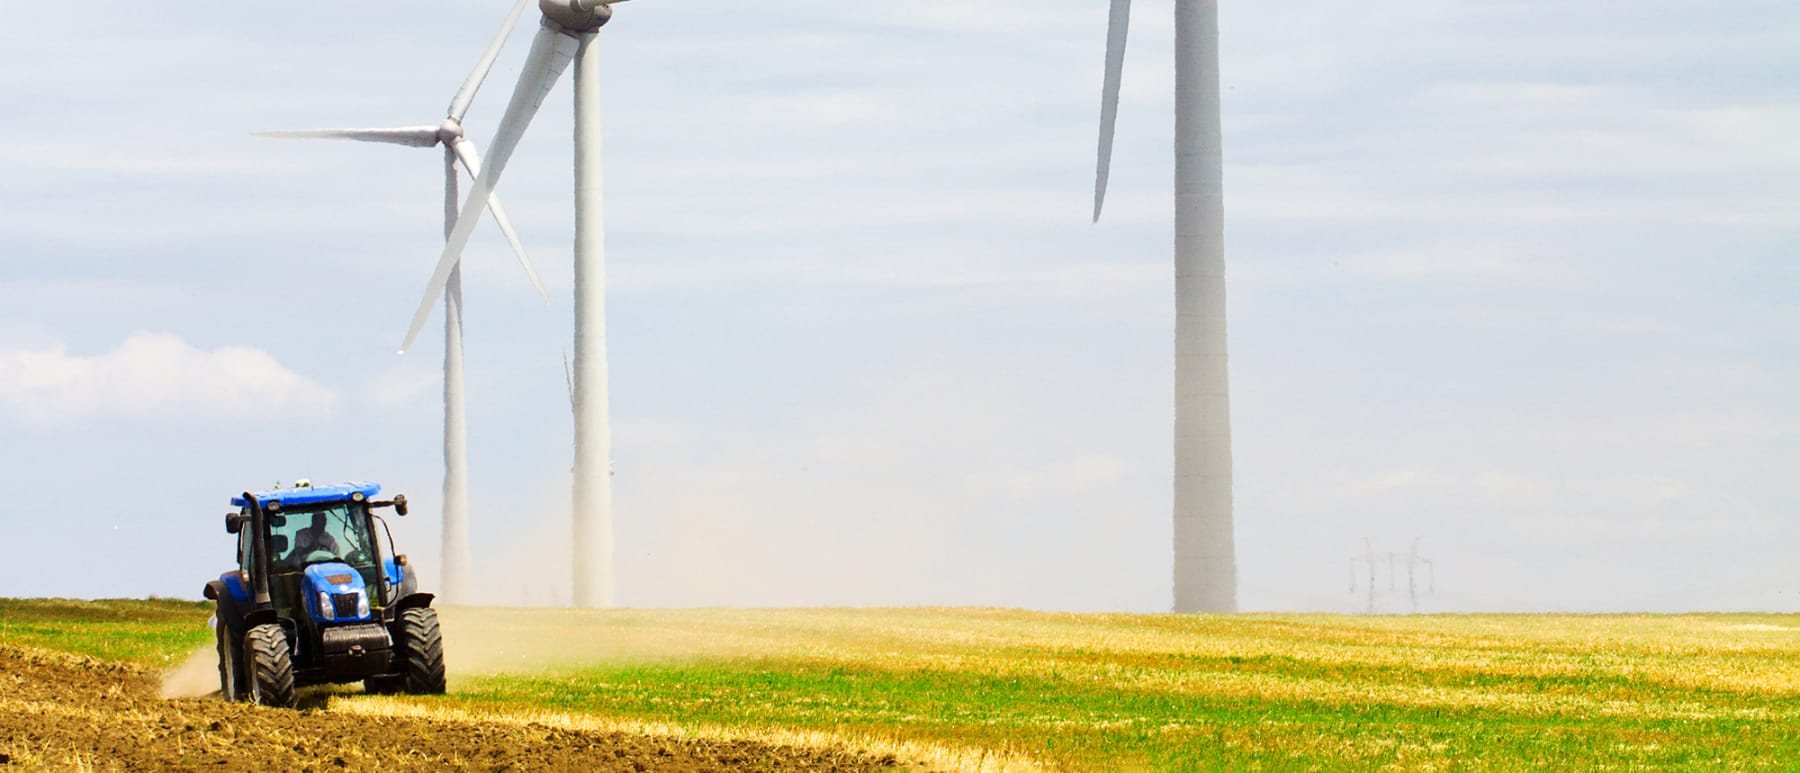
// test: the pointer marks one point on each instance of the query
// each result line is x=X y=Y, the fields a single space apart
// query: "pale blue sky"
x=1515 y=278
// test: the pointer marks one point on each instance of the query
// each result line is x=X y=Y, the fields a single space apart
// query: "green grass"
x=1190 y=693
x=154 y=633
x=1115 y=691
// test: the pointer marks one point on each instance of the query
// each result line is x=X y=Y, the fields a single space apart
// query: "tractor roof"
x=316 y=495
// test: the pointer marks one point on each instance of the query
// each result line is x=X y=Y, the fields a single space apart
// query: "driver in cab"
x=314 y=538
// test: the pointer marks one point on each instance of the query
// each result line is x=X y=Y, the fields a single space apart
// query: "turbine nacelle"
x=576 y=16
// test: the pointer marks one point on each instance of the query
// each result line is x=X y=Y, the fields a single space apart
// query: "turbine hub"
x=450 y=131
x=575 y=16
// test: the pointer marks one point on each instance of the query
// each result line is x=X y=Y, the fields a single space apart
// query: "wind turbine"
x=458 y=148
x=1205 y=576
x=568 y=33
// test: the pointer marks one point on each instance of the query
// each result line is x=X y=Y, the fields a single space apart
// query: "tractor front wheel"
x=230 y=685
x=268 y=666
x=421 y=647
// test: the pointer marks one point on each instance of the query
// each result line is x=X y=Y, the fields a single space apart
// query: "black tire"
x=231 y=683
x=268 y=669
x=421 y=651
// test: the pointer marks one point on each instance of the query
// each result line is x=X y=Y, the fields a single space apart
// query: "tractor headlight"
x=326 y=610
x=362 y=604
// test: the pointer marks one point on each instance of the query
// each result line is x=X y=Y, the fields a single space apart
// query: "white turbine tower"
x=1205 y=576
x=568 y=32
x=457 y=149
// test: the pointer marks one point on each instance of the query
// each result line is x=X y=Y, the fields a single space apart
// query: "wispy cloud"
x=153 y=378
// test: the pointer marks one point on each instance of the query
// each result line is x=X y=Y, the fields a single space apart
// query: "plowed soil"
x=64 y=711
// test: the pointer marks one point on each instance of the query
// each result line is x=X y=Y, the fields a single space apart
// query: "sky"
x=1514 y=282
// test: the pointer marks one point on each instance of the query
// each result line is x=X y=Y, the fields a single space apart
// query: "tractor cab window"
x=330 y=533
x=245 y=559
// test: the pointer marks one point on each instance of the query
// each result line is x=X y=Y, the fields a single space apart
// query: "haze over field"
x=1518 y=280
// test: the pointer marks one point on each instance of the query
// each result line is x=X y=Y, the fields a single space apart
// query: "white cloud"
x=1477 y=262
x=1387 y=482
x=1490 y=263
x=829 y=109
x=1005 y=17
x=1573 y=320
x=1517 y=493
x=1636 y=491
x=1288 y=195
x=153 y=377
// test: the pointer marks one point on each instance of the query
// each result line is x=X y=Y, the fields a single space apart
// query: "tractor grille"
x=344 y=604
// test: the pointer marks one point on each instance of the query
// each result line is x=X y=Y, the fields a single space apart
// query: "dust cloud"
x=490 y=640
x=924 y=492
x=196 y=677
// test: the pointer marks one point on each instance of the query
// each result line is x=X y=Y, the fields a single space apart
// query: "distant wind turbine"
x=458 y=148
x=1205 y=575
x=568 y=33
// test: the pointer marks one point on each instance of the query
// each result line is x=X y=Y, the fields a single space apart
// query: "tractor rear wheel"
x=268 y=667
x=421 y=647
x=230 y=685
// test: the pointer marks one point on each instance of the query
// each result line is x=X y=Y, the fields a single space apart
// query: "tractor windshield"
x=337 y=532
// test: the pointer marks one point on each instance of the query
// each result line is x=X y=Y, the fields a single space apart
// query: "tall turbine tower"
x=568 y=33
x=457 y=149
x=1205 y=576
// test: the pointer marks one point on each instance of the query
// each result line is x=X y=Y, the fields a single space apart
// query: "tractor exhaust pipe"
x=259 y=548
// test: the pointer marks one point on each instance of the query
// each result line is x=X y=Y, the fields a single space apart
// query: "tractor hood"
x=335 y=593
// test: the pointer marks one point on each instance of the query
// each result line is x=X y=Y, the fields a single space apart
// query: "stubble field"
x=951 y=689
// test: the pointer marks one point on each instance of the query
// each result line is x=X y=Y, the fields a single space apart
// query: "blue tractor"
x=315 y=600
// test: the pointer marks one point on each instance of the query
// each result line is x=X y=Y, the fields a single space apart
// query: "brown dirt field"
x=62 y=711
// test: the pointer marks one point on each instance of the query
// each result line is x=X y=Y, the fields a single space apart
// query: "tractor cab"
x=317 y=528
x=313 y=581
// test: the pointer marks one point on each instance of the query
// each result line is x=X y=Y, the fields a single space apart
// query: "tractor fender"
x=229 y=584
x=414 y=600
x=256 y=617
x=227 y=611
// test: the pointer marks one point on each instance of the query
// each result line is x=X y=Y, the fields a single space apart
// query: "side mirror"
x=234 y=522
x=400 y=504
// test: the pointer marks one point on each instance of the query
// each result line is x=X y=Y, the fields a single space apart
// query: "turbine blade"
x=412 y=136
x=465 y=95
x=569 y=378
x=1117 y=26
x=471 y=160
x=550 y=54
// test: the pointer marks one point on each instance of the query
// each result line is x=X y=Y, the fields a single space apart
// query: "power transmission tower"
x=1413 y=562
x=1369 y=562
